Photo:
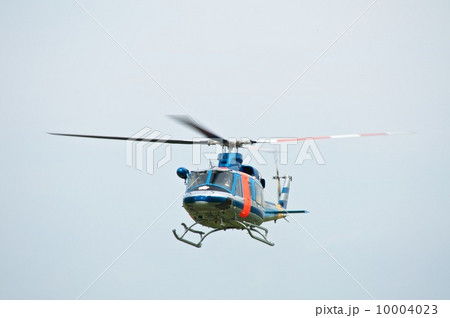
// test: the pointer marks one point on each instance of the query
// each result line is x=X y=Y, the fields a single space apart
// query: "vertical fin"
x=284 y=195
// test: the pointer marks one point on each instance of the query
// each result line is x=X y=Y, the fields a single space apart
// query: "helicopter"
x=231 y=194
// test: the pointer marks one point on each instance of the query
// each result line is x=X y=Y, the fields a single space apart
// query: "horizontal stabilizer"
x=296 y=211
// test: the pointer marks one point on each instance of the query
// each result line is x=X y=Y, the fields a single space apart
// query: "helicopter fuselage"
x=219 y=210
x=225 y=198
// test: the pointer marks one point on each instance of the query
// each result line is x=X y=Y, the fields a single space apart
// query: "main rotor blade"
x=168 y=141
x=188 y=121
x=278 y=140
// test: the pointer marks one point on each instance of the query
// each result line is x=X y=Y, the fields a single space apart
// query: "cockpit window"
x=222 y=178
x=218 y=181
x=196 y=178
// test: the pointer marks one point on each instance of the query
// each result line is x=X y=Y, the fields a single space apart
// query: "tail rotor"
x=277 y=177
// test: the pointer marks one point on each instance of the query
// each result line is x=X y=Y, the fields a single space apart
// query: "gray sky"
x=69 y=207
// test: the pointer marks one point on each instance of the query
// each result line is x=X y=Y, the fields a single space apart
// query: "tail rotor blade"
x=277 y=177
x=279 y=183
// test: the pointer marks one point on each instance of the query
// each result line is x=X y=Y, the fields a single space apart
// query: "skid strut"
x=252 y=228
x=189 y=229
x=256 y=232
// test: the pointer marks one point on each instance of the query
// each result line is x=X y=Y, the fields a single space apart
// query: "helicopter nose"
x=207 y=202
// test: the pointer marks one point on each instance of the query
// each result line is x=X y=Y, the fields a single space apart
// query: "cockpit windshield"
x=217 y=181
x=222 y=178
x=197 y=178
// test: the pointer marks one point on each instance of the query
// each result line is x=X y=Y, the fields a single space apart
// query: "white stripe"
x=345 y=136
x=400 y=133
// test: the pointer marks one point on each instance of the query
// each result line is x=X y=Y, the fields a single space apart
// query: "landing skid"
x=251 y=229
x=255 y=232
x=189 y=229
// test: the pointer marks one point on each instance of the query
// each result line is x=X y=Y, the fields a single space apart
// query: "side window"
x=251 y=184
x=259 y=194
x=238 y=186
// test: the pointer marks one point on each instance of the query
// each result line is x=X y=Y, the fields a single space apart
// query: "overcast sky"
x=380 y=205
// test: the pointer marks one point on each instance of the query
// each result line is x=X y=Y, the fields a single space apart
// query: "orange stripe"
x=247 y=197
